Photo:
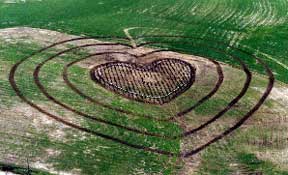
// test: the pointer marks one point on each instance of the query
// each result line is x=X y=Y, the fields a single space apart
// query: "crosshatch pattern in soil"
x=158 y=82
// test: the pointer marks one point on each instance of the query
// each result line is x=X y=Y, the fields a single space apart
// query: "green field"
x=259 y=27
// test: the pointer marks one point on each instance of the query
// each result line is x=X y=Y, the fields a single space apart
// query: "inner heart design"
x=158 y=82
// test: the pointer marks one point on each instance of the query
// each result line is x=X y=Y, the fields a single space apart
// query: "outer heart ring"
x=155 y=150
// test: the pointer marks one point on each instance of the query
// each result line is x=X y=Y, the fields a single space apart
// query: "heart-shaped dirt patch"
x=158 y=82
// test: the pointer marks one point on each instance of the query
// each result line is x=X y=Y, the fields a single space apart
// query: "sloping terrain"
x=225 y=112
x=32 y=136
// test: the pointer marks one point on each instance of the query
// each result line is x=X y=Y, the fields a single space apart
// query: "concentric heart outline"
x=184 y=154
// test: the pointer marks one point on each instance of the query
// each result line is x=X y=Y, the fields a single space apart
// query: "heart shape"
x=158 y=82
x=136 y=145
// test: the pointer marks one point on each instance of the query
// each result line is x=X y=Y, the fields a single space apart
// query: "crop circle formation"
x=155 y=82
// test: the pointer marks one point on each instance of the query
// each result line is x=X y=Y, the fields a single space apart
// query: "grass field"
x=261 y=26
x=30 y=138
